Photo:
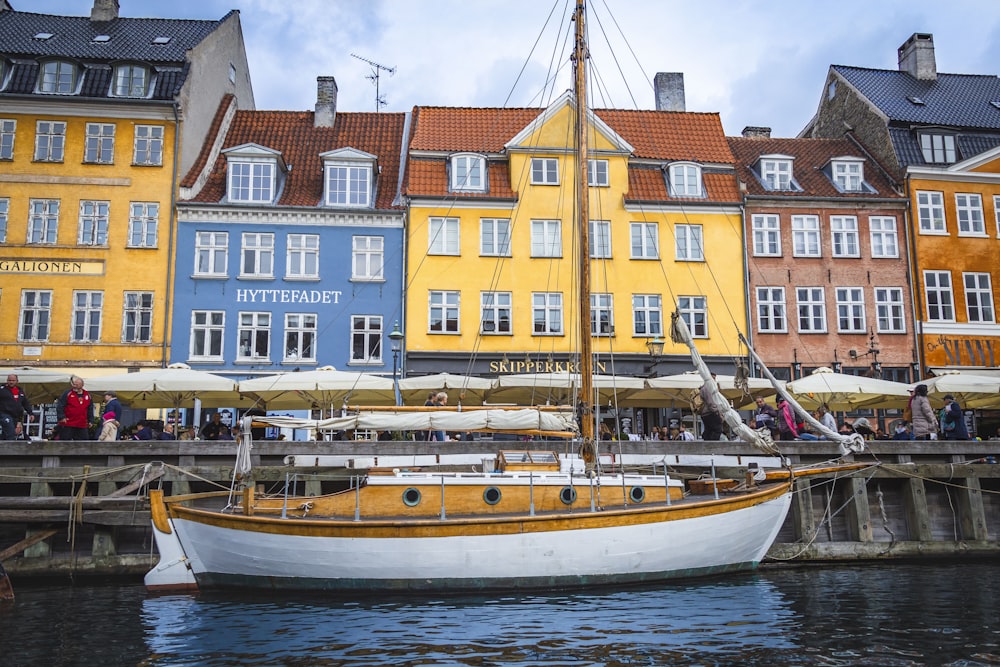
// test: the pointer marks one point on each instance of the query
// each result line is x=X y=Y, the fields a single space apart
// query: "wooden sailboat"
x=539 y=520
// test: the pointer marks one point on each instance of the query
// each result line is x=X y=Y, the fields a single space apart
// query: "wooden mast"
x=588 y=447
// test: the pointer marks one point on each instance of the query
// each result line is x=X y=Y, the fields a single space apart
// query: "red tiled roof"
x=300 y=143
x=811 y=155
x=648 y=184
x=456 y=129
x=671 y=135
x=429 y=178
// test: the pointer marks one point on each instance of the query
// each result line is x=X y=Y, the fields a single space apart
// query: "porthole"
x=637 y=494
x=411 y=497
x=567 y=495
x=492 y=495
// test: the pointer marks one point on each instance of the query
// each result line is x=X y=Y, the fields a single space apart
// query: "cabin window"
x=496 y=312
x=143 y=224
x=443 y=311
x=254 y=337
x=766 y=235
x=884 y=239
x=889 y=309
x=494 y=237
x=600 y=239
x=35 y=316
x=567 y=495
x=137 y=317
x=50 y=141
x=940 y=302
x=637 y=494
x=544 y=171
x=771 y=310
x=131 y=81
x=367 y=258
x=851 y=310
x=468 y=173
x=300 y=338
x=979 y=298
x=685 y=180
x=8 y=128
x=57 y=77
x=805 y=236
x=689 y=243
x=302 y=257
x=547 y=313
x=93 y=227
x=844 y=234
x=602 y=314
x=930 y=212
x=969 y=212
x=811 y=305
x=647 y=315
x=43 y=221
x=411 y=497
x=492 y=495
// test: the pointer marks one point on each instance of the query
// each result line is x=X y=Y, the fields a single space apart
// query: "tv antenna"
x=377 y=69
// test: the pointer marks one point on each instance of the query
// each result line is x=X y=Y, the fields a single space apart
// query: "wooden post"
x=802 y=511
x=859 y=523
x=40 y=549
x=972 y=511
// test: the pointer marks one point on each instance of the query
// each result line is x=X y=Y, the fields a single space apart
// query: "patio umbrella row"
x=324 y=388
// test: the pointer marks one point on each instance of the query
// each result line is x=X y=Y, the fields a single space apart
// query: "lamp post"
x=655 y=348
x=395 y=344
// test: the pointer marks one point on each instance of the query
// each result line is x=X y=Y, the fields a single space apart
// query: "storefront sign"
x=287 y=296
x=943 y=350
x=52 y=266
x=548 y=366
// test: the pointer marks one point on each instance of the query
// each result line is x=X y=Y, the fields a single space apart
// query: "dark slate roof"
x=952 y=100
x=906 y=145
x=131 y=38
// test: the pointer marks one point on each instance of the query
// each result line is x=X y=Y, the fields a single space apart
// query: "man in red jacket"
x=75 y=410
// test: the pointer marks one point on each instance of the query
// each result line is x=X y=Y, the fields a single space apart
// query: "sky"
x=755 y=62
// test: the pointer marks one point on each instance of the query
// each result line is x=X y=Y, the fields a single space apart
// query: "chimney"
x=104 y=10
x=916 y=57
x=326 y=101
x=669 y=88
x=751 y=132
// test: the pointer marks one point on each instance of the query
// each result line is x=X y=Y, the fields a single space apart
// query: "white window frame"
x=50 y=141
x=806 y=240
x=43 y=222
x=849 y=175
x=969 y=214
x=57 y=77
x=694 y=310
x=4 y=213
x=366 y=339
x=211 y=254
x=884 y=237
x=99 y=143
x=547 y=314
x=644 y=240
x=468 y=173
x=930 y=212
x=85 y=322
x=689 y=242
x=131 y=80
x=810 y=309
x=766 y=235
x=937 y=147
x=850 y=310
x=253 y=332
x=772 y=313
x=143 y=224
x=444 y=236
x=685 y=179
x=996 y=212
x=979 y=306
x=208 y=335
x=776 y=174
x=8 y=135
x=546 y=238
x=256 y=255
x=496 y=313
x=35 y=319
x=890 y=311
x=600 y=239
x=147 y=146
x=939 y=297
x=302 y=257
x=597 y=173
x=92 y=229
x=300 y=338
x=494 y=237
x=251 y=181
x=544 y=171
x=367 y=258
x=647 y=315
x=844 y=237
x=602 y=314
x=348 y=184
x=137 y=317
x=444 y=307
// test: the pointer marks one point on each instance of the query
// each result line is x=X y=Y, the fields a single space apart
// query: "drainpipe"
x=170 y=242
x=911 y=253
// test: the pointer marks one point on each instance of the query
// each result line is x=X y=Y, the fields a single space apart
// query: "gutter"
x=174 y=185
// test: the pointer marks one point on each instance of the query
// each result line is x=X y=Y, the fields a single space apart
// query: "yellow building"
x=491 y=241
x=91 y=144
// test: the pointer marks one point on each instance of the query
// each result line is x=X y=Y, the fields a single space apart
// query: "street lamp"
x=395 y=344
x=655 y=348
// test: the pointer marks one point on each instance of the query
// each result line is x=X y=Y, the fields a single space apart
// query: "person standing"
x=14 y=406
x=75 y=411
x=711 y=415
x=954 y=420
x=924 y=420
x=766 y=417
x=214 y=429
x=787 y=427
x=113 y=405
x=109 y=428
x=441 y=400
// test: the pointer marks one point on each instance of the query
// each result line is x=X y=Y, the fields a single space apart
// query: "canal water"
x=898 y=614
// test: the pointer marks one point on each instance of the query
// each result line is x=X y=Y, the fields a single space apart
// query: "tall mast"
x=580 y=55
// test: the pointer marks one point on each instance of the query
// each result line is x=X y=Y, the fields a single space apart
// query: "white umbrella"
x=559 y=388
x=464 y=389
x=322 y=389
x=839 y=391
x=679 y=390
x=41 y=385
x=172 y=387
x=970 y=390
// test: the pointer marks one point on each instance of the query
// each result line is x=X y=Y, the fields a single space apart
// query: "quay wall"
x=81 y=508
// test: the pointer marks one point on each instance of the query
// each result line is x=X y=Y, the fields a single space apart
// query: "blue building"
x=290 y=242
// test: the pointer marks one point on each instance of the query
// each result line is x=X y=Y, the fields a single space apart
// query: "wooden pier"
x=81 y=508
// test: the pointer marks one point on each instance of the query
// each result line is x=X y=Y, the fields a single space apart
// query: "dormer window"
x=937 y=148
x=131 y=81
x=253 y=174
x=776 y=173
x=685 y=180
x=348 y=177
x=468 y=173
x=57 y=77
x=848 y=174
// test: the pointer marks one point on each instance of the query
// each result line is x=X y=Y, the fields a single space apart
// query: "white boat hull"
x=686 y=545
